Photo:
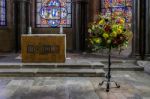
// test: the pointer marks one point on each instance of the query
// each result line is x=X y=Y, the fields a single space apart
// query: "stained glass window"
x=53 y=13
x=121 y=8
x=2 y=12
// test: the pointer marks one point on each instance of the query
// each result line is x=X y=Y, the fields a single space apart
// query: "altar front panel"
x=43 y=48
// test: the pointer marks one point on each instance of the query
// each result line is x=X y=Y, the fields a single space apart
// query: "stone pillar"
x=135 y=28
x=80 y=24
x=147 y=29
x=29 y=2
x=21 y=20
x=139 y=30
x=22 y=13
x=77 y=25
x=142 y=28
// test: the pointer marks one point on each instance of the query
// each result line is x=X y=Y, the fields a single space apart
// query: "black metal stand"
x=108 y=76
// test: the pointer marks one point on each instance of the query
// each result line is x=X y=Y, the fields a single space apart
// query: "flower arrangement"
x=108 y=31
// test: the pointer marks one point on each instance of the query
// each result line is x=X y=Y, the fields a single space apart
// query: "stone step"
x=94 y=65
x=28 y=72
x=124 y=67
x=105 y=61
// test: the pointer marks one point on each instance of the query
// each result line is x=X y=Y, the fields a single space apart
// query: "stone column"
x=23 y=18
x=77 y=25
x=135 y=28
x=20 y=23
x=29 y=2
x=93 y=9
x=80 y=24
x=142 y=28
x=147 y=29
x=74 y=24
x=21 y=12
x=139 y=29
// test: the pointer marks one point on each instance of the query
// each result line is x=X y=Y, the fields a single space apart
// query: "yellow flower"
x=105 y=35
x=119 y=31
x=122 y=21
x=114 y=26
x=97 y=40
x=120 y=27
x=101 y=22
x=113 y=34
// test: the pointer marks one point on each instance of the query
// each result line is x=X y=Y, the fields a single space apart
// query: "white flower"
x=89 y=30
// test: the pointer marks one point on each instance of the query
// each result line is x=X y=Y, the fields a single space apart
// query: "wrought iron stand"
x=108 y=80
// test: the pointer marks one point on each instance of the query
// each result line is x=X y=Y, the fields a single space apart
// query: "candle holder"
x=29 y=30
x=61 y=29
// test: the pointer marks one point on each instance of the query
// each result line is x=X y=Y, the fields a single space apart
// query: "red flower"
x=107 y=28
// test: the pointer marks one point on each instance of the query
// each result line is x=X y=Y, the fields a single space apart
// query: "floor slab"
x=134 y=85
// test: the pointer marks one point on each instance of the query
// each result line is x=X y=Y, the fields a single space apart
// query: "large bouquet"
x=106 y=32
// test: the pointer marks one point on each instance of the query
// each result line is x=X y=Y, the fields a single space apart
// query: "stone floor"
x=134 y=85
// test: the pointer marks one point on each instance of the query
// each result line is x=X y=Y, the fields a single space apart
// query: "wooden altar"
x=43 y=47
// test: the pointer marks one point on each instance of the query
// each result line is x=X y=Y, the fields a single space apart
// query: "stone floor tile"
x=134 y=85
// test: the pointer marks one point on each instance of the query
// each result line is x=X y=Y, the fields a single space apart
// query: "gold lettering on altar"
x=43 y=49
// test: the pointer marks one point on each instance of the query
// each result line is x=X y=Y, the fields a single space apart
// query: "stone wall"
x=7 y=38
x=7 y=34
x=90 y=7
x=76 y=34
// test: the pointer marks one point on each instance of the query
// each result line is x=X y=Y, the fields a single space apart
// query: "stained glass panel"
x=106 y=3
x=118 y=11
x=118 y=3
x=121 y=8
x=2 y=12
x=129 y=2
x=53 y=13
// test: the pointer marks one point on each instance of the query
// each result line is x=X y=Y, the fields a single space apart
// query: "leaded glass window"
x=121 y=8
x=2 y=12
x=53 y=13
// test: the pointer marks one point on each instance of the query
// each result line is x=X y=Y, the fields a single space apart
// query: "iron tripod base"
x=108 y=76
x=108 y=83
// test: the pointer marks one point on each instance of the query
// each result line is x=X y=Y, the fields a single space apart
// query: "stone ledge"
x=52 y=72
x=50 y=65
x=145 y=65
